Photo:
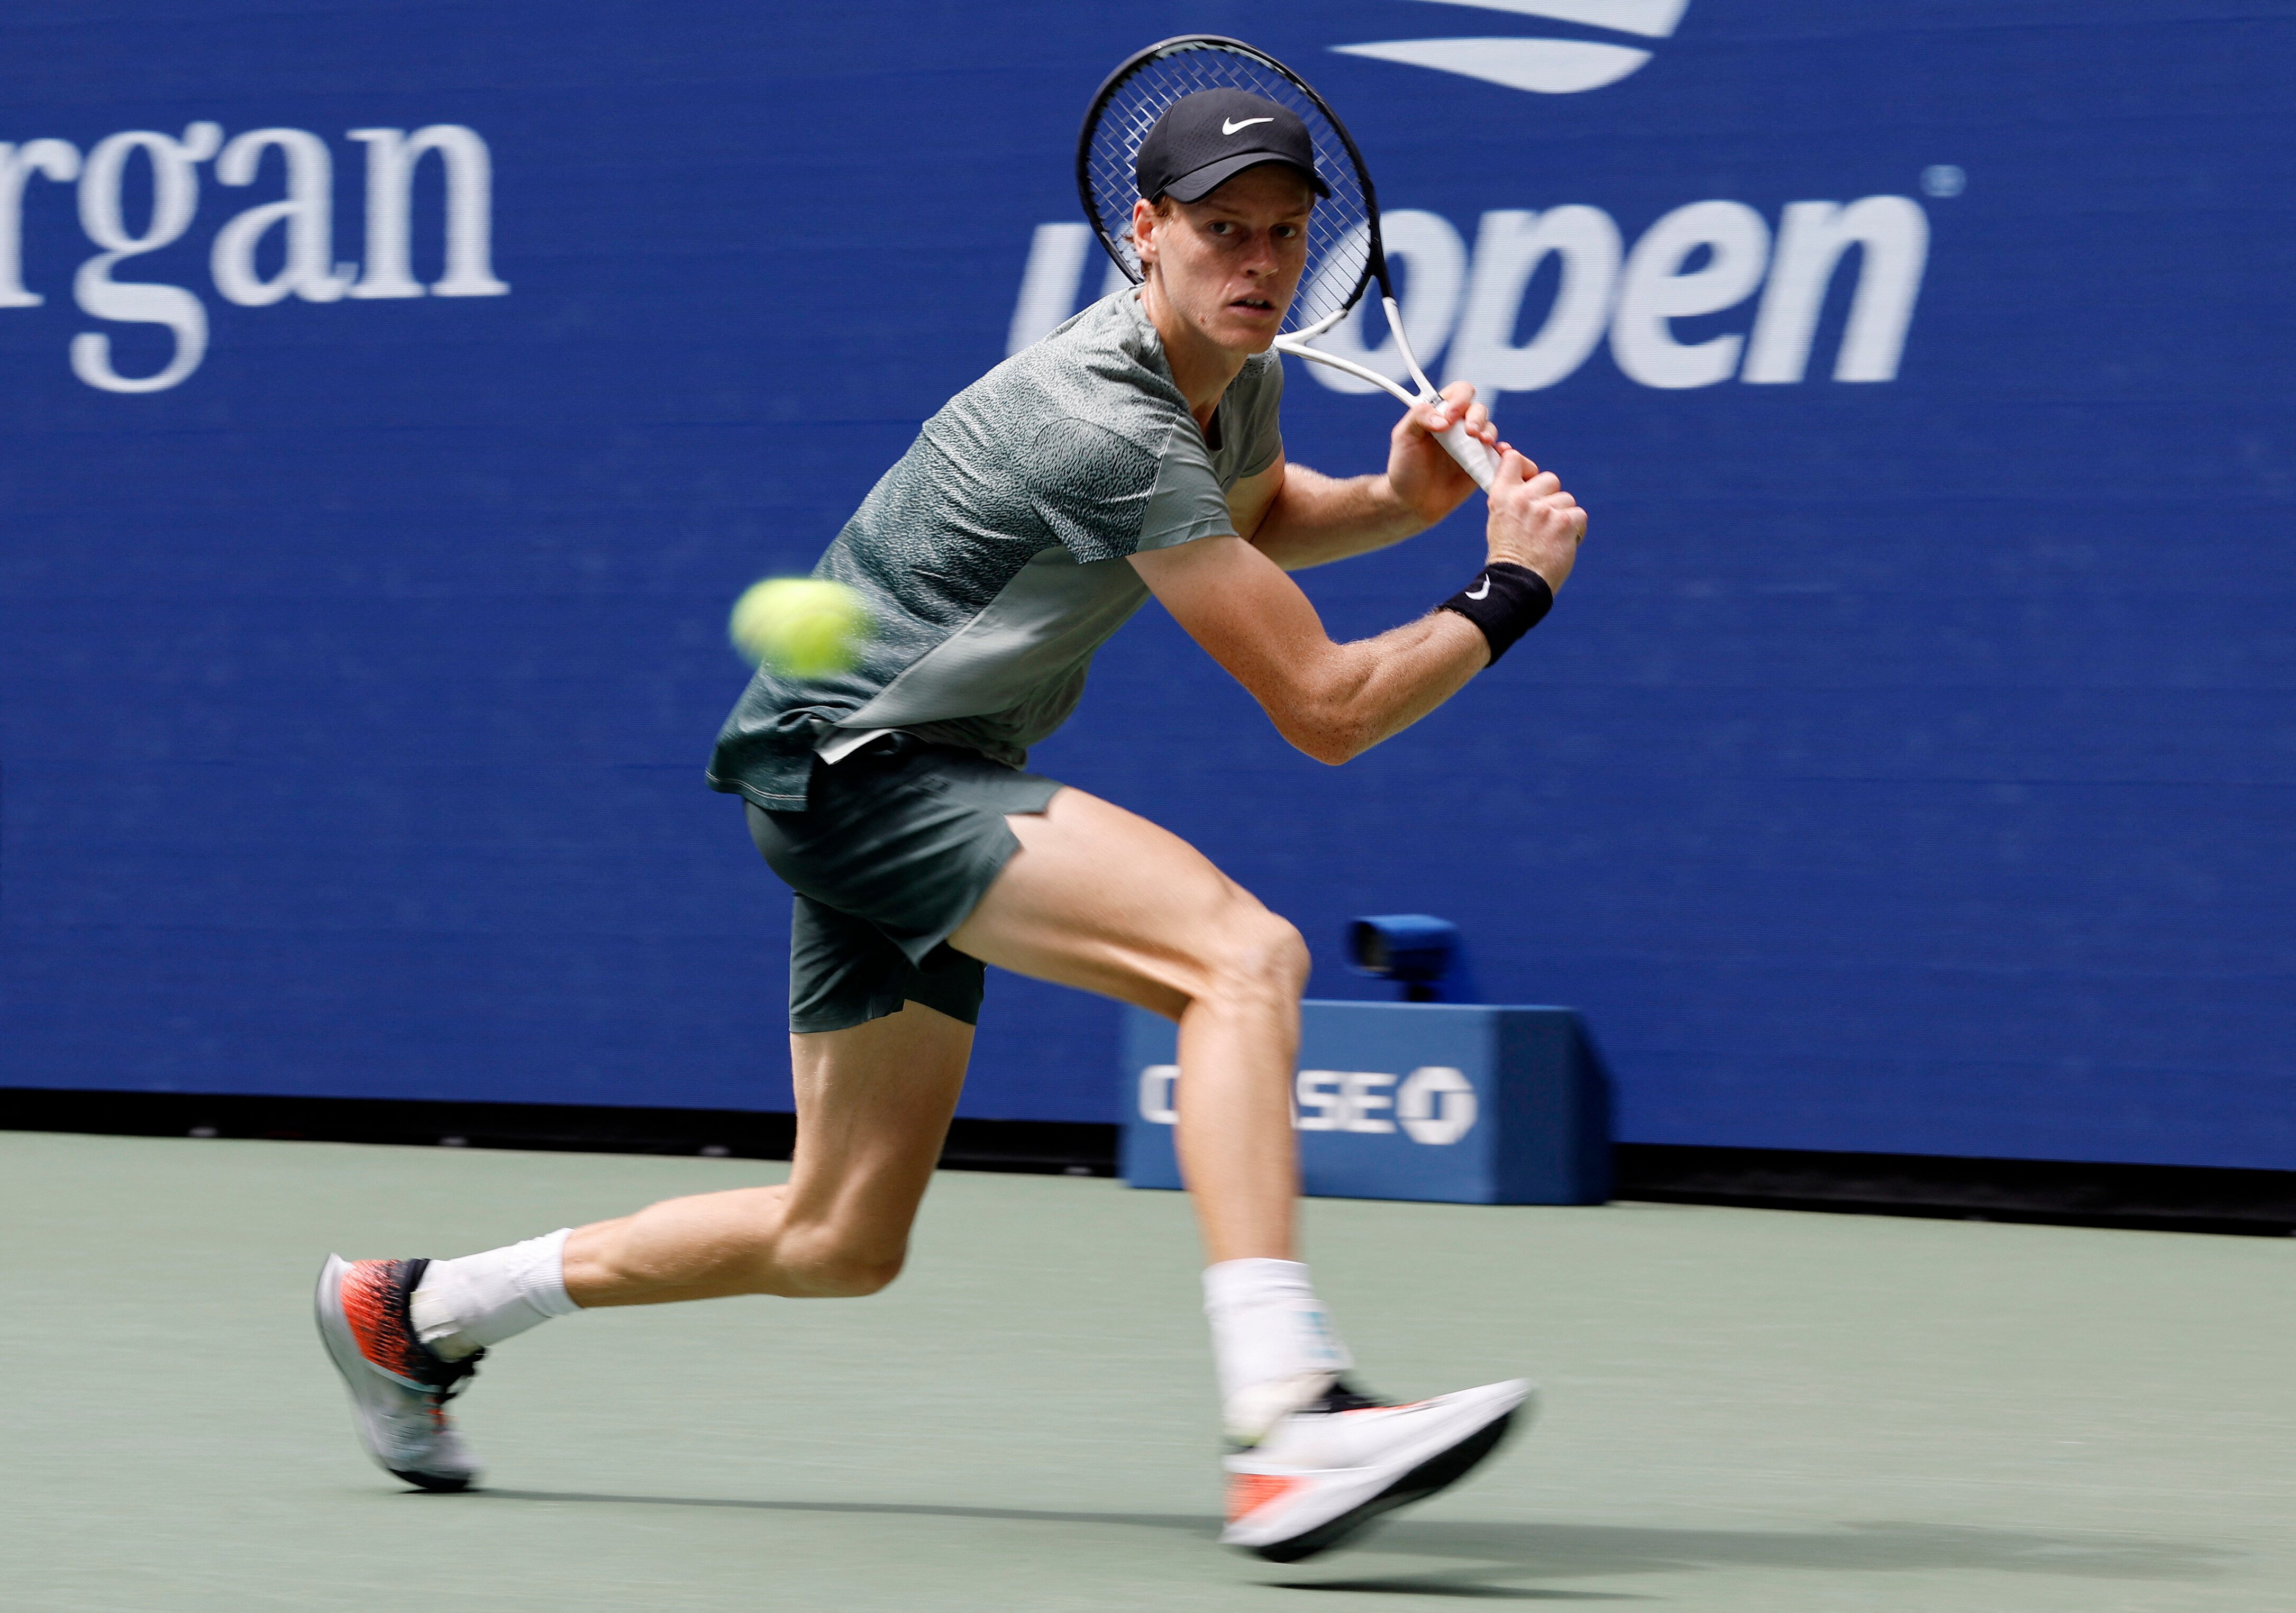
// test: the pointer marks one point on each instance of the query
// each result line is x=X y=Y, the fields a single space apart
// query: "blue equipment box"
x=1449 y=1103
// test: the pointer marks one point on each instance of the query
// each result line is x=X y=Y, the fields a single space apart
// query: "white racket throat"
x=1473 y=457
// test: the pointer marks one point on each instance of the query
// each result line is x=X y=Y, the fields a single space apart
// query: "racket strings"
x=1338 y=229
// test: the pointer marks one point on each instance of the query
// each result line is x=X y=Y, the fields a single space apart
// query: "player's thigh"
x=873 y=1104
x=1101 y=899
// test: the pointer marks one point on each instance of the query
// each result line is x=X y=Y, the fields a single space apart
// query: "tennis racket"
x=1344 y=254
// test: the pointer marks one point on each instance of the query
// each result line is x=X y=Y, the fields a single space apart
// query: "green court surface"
x=1744 y=1409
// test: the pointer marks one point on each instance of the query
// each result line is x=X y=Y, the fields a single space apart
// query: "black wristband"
x=1506 y=602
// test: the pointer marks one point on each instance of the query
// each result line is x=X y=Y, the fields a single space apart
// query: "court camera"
x=1417 y=951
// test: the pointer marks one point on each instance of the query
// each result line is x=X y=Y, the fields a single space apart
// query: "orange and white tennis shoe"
x=1326 y=1470
x=399 y=1388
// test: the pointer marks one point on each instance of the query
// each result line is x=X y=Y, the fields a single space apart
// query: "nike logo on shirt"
x=1229 y=128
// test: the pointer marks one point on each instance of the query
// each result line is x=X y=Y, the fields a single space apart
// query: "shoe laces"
x=458 y=1376
x=454 y=1376
x=441 y=1378
x=1344 y=1396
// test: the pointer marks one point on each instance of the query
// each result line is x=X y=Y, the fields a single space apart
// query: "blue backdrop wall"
x=396 y=394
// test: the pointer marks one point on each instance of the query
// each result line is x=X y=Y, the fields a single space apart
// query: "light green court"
x=1744 y=1409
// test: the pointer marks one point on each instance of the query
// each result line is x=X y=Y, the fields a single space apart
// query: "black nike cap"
x=1205 y=139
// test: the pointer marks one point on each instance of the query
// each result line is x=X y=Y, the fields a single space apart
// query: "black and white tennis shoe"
x=1326 y=1470
x=399 y=1388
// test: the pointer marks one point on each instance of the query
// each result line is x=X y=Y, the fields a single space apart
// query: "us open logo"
x=1434 y=1104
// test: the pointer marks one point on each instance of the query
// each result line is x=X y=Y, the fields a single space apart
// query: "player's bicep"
x=1247 y=614
x=1251 y=499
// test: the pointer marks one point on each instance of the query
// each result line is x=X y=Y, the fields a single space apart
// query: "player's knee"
x=1260 y=957
x=856 y=1277
x=831 y=1266
x=846 y=1279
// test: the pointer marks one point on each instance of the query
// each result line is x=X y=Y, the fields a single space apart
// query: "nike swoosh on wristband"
x=1483 y=593
x=1229 y=128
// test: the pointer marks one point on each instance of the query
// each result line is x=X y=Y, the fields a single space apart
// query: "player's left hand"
x=1424 y=479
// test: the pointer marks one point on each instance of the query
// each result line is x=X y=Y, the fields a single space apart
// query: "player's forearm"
x=1316 y=518
x=1357 y=694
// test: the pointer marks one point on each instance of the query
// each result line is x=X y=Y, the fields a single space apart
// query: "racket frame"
x=1468 y=450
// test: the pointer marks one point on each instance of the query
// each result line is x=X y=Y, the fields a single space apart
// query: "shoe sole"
x=1446 y=1467
x=342 y=1349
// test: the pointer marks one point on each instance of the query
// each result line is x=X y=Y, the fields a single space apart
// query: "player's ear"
x=1145 y=218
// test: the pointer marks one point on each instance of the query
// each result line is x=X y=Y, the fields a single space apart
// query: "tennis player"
x=1134 y=451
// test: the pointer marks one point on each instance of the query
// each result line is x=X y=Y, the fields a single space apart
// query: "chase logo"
x=1543 y=67
x=1497 y=1105
x=1434 y=1104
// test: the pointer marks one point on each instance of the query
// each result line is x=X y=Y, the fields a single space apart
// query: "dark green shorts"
x=899 y=843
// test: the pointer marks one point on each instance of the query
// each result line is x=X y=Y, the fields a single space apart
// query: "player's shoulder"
x=1088 y=407
x=1104 y=365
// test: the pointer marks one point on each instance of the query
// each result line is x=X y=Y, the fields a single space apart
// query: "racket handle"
x=1476 y=460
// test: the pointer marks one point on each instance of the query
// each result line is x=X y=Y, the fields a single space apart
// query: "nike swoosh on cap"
x=1229 y=128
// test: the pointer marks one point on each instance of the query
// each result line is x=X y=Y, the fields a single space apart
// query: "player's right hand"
x=1533 y=522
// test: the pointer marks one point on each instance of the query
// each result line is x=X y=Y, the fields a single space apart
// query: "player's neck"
x=1201 y=367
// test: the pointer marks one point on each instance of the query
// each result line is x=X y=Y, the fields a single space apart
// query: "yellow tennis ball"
x=801 y=626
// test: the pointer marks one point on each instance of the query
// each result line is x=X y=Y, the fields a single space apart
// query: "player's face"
x=1228 y=263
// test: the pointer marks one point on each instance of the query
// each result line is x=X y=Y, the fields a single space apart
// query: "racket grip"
x=1476 y=460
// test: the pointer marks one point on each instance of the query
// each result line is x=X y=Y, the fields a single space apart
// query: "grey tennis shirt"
x=992 y=555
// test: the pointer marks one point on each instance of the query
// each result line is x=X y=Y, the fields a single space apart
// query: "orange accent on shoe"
x=1247 y=1493
x=370 y=1290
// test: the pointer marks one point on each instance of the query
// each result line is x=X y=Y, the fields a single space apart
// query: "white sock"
x=1274 y=1345
x=465 y=1305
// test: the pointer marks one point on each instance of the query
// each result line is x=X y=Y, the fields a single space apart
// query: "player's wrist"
x=1396 y=511
x=1548 y=568
x=1507 y=601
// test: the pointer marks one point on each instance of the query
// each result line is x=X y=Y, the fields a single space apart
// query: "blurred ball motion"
x=800 y=627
